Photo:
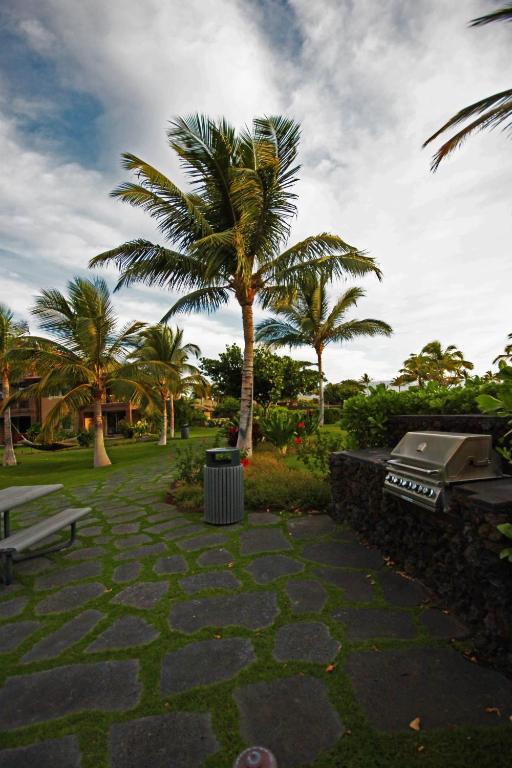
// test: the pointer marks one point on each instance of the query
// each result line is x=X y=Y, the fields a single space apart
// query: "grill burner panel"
x=424 y=464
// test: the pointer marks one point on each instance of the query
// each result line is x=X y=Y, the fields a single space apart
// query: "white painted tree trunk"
x=321 y=388
x=101 y=458
x=171 y=407
x=163 y=435
x=9 y=459
x=244 y=442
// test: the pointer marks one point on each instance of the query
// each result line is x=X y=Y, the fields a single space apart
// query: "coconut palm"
x=163 y=357
x=226 y=235
x=490 y=112
x=86 y=358
x=365 y=382
x=507 y=354
x=308 y=321
x=445 y=366
x=15 y=356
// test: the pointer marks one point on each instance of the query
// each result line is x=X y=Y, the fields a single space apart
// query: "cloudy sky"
x=83 y=80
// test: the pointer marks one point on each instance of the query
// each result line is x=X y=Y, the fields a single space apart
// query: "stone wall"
x=454 y=552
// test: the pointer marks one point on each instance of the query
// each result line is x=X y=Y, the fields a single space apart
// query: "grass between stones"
x=137 y=482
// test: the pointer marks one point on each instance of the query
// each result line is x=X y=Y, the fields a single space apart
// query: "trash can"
x=185 y=432
x=223 y=486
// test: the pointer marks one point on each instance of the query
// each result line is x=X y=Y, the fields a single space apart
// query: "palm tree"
x=365 y=382
x=307 y=320
x=86 y=359
x=163 y=357
x=15 y=357
x=507 y=354
x=433 y=363
x=490 y=112
x=227 y=234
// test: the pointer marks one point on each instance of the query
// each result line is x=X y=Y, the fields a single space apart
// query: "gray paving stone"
x=12 y=635
x=102 y=539
x=33 y=567
x=126 y=528
x=128 y=517
x=311 y=526
x=69 y=598
x=436 y=684
x=440 y=624
x=126 y=632
x=7 y=591
x=167 y=514
x=64 y=637
x=144 y=595
x=263 y=518
x=397 y=590
x=343 y=554
x=209 y=580
x=126 y=572
x=269 y=567
x=305 y=641
x=367 y=623
x=54 y=753
x=205 y=663
x=263 y=540
x=86 y=553
x=176 y=740
x=306 y=596
x=219 y=556
x=94 y=530
x=171 y=564
x=64 y=576
x=356 y=585
x=253 y=610
x=147 y=550
x=107 y=686
x=13 y=608
x=202 y=542
x=292 y=716
x=168 y=525
x=182 y=532
x=132 y=541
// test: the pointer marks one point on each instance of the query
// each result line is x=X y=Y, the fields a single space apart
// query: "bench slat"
x=26 y=537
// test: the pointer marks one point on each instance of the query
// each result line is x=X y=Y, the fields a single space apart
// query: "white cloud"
x=368 y=88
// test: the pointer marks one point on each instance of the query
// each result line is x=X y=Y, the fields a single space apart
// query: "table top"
x=16 y=495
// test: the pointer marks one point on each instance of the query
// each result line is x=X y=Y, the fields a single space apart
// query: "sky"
x=83 y=81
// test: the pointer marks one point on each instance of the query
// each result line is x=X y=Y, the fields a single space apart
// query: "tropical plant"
x=308 y=321
x=500 y=403
x=163 y=357
x=365 y=382
x=506 y=355
x=490 y=112
x=336 y=394
x=279 y=427
x=315 y=450
x=433 y=363
x=226 y=235
x=16 y=354
x=87 y=356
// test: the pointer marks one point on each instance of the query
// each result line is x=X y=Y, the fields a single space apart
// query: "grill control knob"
x=426 y=491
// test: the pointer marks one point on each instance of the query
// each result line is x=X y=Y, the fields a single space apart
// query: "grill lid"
x=445 y=456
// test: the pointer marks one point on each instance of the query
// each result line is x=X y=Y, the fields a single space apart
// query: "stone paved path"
x=159 y=641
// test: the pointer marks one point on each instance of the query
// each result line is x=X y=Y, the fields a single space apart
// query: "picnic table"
x=16 y=495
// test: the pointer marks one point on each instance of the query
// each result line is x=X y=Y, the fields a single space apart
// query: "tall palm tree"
x=445 y=366
x=490 y=112
x=15 y=357
x=87 y=357
x=227 y=234
x=307 y=320
x=365 y=382
x=163 y=357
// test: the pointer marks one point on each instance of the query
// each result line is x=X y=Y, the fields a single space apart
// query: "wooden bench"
x=14 y=544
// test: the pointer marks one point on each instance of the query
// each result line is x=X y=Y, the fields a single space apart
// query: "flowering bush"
x=279 y=427
x=231 y=432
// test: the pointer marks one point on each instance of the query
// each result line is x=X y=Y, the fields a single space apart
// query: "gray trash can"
x=223 y=486
x=185 y=432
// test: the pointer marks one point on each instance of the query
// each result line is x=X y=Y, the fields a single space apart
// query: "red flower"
x=298 y=440
x=301 y=424
x=244 y=462
x=232 y=429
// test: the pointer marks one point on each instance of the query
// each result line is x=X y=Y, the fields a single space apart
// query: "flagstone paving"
x=160 y=641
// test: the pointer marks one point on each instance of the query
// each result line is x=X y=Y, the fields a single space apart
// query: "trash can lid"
x=222 y=457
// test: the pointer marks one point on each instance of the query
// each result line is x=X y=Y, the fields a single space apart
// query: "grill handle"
x=423 y=471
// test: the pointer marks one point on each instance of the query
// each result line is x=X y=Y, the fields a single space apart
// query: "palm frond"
x=202 y=300
x=503 y=14
x=278 y=333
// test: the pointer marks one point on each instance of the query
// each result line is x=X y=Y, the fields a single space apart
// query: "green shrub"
x=126 y=429
x=315 y=450
x=279 y=427
x=188 y=497
x=332 y=415
x=33 y=431
x=365 y=417
x=227 y=407
x=271 y=484
x=85 y=438
x=189 y=462
x=307 y=422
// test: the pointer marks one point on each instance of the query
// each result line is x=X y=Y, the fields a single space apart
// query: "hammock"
x=70 y=443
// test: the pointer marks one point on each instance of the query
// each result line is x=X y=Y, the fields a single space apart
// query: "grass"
x=139 y=477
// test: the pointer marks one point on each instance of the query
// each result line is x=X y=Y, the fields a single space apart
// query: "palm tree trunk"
x=320 y=387
x=244 y=442
x=100 y=455
x=171 y=406
x=9 y=459
x=163 y=435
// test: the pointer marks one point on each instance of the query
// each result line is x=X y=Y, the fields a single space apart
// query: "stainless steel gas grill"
x=424 y=465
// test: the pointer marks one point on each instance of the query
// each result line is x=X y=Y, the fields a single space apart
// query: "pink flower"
x=298 y=440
